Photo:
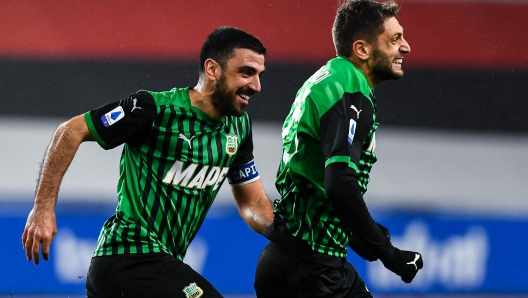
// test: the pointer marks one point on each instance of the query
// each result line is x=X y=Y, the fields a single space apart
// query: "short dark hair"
x=220 y=45
x=360 y=19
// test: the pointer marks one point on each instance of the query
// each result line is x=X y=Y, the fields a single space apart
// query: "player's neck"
x=201 y=98
x=364 y=67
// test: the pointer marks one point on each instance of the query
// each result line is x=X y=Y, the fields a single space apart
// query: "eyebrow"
x=250 y=69
x=396 y=35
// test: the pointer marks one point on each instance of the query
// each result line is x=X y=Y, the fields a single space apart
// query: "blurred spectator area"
x=467 y=70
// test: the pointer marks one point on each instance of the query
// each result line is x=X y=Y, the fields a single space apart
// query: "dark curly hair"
x=360 y=19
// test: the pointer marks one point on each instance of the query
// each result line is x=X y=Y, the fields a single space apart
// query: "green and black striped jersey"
x=175 y=158
x=333 y=119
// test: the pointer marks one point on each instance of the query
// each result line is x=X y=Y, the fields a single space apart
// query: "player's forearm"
x=258 y=215
x=343 y=191
x=58 y=156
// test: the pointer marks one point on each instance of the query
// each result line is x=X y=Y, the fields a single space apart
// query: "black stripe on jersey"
x=300 y=206
x=321 y=235
x=177 y=237
x=136 y=236
x=174 y=239
x=126 y=245
x=191 y=122
x=181 y=203
x=185 y=203
x=201 y=155
x=157 y=203
x=148 y=181
x=137 y=231
x=109 y=223
x=209 y=149
x=219 y=145
x=179 y=142
x=113 y=240
x=205 y=153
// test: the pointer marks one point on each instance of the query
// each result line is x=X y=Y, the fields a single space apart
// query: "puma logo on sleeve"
x=355 y=109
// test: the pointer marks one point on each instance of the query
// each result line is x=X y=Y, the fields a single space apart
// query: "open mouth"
x=244 y=97
x=398 y=61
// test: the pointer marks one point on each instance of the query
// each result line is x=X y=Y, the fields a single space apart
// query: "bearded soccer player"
x=328 y=151
x=179 y=146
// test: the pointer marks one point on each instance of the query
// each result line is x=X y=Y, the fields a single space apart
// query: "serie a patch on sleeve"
x=243 y=174
x=113 y=116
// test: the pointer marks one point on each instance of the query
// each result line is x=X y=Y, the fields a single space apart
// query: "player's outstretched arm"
x=41 y=224
x=253 y=205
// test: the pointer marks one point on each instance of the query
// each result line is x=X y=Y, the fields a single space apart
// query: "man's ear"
x=212 y=69
x=362 y=49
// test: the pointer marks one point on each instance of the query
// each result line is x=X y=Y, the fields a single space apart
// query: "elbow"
x=75 y=129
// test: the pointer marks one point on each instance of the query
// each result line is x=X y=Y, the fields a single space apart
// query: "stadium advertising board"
x=463 y=254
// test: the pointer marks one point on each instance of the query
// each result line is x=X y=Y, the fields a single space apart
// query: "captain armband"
x=243 y=174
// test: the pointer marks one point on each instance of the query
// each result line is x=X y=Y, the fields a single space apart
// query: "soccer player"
x=179 y=146
x=328 y=151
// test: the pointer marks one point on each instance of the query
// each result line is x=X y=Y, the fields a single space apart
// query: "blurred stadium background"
x=451 y=180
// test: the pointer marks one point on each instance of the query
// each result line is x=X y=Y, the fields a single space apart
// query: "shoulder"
x=337 y=77
x=175 y=96
x=346 y=76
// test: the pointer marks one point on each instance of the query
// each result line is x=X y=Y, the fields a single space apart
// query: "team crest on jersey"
x=351 y=131
x=231 y=144
x=193 y=291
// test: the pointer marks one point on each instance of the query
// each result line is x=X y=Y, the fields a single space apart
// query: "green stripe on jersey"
x=168 y=183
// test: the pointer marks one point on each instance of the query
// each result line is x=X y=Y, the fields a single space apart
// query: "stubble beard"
x=382 y=67
x=223 y=100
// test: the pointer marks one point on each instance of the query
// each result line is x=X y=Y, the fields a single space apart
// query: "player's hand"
x=405 y=264
x=359 y=247
x=40 y=228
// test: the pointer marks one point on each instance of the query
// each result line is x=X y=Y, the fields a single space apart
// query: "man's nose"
x=405 y=47
x=255 y=84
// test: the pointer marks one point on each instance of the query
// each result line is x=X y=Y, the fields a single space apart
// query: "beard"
x=224 y=101
x=382 y=67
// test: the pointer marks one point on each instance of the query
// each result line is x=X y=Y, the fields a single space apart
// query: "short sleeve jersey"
x=175 y=158
x=333 y=119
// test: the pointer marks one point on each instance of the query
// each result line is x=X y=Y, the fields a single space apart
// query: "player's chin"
x=240 y=112
x=240 y=109
x=397 y=74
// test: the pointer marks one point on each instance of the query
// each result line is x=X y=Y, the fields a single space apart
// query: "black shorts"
x=282 y=274
x=145 y=275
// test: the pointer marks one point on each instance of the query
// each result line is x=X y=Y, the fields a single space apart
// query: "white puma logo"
x=355 y=109
x=181 y=136
x=416 y=258
x=134 y=101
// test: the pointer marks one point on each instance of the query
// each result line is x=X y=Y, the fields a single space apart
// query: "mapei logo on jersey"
x=113 y=116
x=351 y=131
x=184 y=175
x=193 y=291
x=231 y=144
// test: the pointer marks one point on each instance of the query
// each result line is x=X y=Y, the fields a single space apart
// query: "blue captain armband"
x=243 y=174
